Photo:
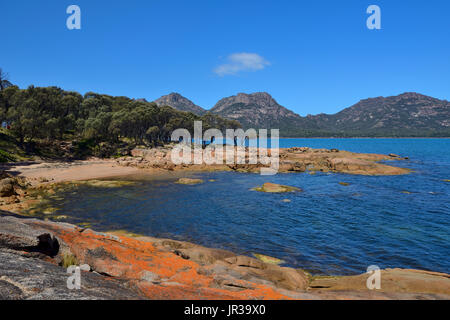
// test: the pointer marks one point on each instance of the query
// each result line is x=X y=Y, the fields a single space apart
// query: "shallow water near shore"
x=329 y=228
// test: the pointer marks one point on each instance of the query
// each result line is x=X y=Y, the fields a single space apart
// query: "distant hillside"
x=257 y=110
x=177 y=101
x=408 y=114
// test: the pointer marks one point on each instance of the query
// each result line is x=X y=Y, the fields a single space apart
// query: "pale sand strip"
x=73 y=171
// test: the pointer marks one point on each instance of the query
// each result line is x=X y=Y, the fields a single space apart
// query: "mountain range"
x=406 y=115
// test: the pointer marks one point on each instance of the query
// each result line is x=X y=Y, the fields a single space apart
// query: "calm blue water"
x=327 y=229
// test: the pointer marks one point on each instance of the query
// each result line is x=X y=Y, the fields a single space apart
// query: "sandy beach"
x=54 y=172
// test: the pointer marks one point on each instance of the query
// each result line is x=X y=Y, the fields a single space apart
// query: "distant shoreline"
x=364 y=137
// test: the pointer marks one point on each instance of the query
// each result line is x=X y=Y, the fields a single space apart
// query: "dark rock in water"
x=393 y=155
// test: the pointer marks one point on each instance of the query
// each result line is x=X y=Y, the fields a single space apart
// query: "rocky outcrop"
x=407 y=284
x=133 y=267
x=10 y=185
x=27 y=278
x=297 y=159
x=156 y=269
x=338 y=161
x=29 y=258
x=12 y=189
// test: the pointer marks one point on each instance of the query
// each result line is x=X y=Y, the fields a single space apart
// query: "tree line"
x=50 y=113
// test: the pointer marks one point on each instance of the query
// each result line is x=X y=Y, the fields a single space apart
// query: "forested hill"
x=95 y=124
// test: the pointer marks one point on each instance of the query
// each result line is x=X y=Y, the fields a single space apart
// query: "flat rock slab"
x=15 y=234
x=276 y=188
x=34 y=279
x=395 y=284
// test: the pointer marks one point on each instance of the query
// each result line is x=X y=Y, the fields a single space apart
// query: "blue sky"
x=311 y=56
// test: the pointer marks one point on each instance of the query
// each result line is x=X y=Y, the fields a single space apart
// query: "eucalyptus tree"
x=4 y=80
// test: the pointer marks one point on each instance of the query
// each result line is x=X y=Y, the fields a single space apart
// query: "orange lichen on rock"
x=160 y=274
x=137 y=267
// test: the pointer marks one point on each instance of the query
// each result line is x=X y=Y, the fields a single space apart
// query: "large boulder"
x=15 y=234
x=7 y=187
x=243 y=268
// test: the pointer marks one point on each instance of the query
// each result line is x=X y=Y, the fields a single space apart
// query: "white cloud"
x=238 y=62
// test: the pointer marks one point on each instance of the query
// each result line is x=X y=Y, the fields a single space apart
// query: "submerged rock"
x=106 y=183
x=276 y=188
x=268 y=259
x=345 y=184
x=189 y=181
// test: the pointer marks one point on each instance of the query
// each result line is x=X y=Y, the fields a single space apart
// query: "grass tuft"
x=69 y=260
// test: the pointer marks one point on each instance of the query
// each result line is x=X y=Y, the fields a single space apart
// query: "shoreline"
x=56 y=172
x=197 y=271
x=157 y=162
x=364 y=137
x=138 y=267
